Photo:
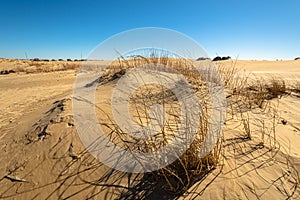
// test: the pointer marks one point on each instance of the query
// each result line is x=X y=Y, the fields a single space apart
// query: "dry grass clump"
x=295 y=87
x=182 y=66
x=248 y=94
x=277 y=88
x=251 y=102
x=252 y=109
x=181 y=174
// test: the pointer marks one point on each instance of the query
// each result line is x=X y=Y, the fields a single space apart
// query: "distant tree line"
x=47 y=60
x=218 y=58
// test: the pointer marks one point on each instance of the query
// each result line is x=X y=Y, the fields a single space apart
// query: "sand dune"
x=43 y=157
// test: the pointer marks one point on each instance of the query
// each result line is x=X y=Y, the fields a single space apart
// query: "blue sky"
x=249 y=29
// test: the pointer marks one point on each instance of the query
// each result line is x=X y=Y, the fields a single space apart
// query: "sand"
x=42 y=156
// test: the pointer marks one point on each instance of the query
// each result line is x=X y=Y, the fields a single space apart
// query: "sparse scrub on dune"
x=247 y=94
x=248 y=145
x=248 y=105
x=250 y=102
x=252 y=106
x=277 y=88
x=181 y=174
x=41 y=66
x=295 y=87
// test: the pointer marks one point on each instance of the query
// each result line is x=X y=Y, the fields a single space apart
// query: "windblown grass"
x=179 y=175
x=249 y=103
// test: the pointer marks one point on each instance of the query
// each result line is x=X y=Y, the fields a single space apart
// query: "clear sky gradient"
x=249 y=29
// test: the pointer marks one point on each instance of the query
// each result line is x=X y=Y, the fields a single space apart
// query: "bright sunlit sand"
x=43 y=156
